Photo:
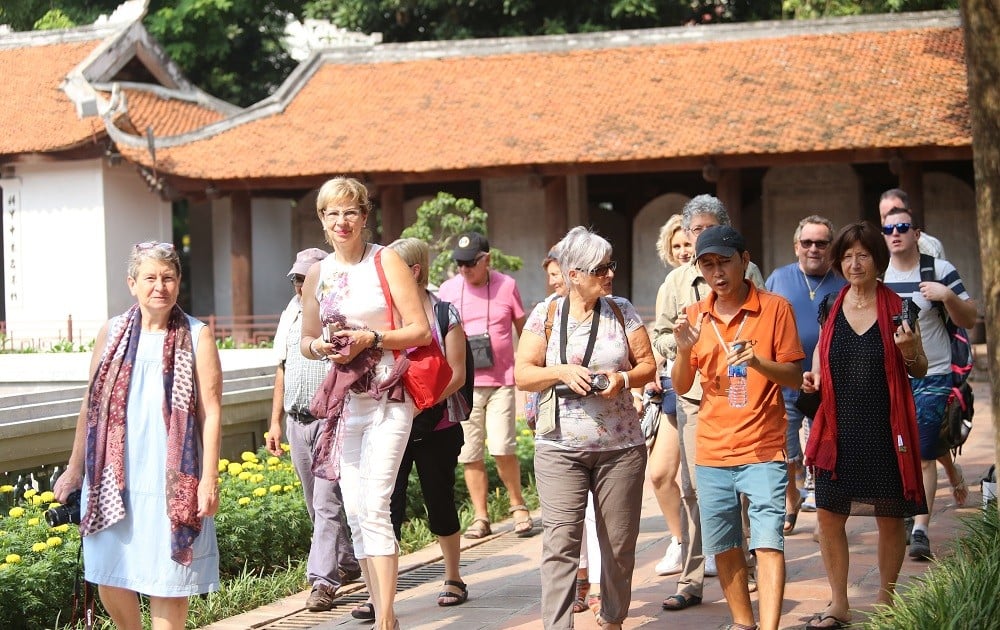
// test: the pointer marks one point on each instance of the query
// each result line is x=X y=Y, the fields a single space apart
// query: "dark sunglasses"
x=470 y=263
x=601 y=270
x=298 y=280
x=903 y=228
x=807 y=243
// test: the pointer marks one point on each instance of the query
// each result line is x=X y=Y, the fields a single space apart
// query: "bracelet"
x=624 y=376
x=913 y=360
x=312 y=350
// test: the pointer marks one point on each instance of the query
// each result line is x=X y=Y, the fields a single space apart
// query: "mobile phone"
x=328 y=332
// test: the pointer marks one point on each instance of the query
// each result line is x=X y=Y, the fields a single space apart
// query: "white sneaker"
x=809 y=504
x=710 y=569
x=671 y=562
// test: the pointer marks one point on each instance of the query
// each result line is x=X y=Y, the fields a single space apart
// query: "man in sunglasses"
x=930 y=393
x=804 y=283
x=897 y=198
x=490 y=306
x=331 y=556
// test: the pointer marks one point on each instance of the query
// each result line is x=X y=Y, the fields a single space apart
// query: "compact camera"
x=904 y=314
x=598 y=383
x=67 y=513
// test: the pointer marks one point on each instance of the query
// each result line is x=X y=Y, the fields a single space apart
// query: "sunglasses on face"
x=298 y=280
x=808 y=243
x=470 y=263
x=600 y=270
x=902 y=228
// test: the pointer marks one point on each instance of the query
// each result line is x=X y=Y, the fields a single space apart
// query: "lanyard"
x=722 y=342
x=594 y=322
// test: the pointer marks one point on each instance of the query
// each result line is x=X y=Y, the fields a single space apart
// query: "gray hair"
x=813 y=219
x=704 y=204
x=581 y=249
x=153 y=250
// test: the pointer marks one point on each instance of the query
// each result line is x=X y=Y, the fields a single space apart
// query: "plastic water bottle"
x=738 y=382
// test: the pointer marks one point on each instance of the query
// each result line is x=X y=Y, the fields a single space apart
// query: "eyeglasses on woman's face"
x=350 y=215
x=902 y=228
x=600 y=270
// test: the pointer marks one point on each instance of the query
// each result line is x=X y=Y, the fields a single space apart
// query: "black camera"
x=598 y=383
x=904 y=314
x=68 y=512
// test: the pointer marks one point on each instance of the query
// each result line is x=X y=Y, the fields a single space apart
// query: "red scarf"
x=821 y=451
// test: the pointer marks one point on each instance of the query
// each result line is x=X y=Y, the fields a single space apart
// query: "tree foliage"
x=440 y=221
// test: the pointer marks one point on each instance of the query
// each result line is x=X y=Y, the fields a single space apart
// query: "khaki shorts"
x=492 y=422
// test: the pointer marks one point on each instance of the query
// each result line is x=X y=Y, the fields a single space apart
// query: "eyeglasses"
x=298 y=280
x=600 y=270
x=350 y=215
x=903 y=228
x=470 y=263
x=698 y=230
x=807 y=243
x=139 y=247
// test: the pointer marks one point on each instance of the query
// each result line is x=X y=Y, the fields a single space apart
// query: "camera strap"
x=87 y=595
x=591 y=340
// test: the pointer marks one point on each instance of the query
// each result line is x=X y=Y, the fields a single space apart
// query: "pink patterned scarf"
x=105 y=464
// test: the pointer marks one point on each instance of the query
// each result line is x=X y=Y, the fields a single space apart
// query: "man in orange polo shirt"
x=741 y=449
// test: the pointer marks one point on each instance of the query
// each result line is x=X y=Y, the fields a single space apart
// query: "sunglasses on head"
x=470 y=263
x=153 y=245
x=903 y=228
x=600 y=270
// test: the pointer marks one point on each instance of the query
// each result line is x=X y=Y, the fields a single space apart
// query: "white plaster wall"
x=273 y=254
x=132 y=214
x=56 y=243
x=648 y=271
x=222 y=269
x=516 y=208
x=950 y=215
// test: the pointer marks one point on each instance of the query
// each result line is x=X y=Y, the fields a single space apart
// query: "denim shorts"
x=719 y=490
x=793 y=446
x=930 y=396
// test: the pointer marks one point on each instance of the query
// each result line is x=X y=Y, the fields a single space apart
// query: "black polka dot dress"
x=867 y=474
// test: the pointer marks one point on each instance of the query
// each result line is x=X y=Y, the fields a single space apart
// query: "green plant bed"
x=957 y=592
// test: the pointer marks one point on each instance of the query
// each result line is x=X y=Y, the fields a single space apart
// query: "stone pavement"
x=504 y=581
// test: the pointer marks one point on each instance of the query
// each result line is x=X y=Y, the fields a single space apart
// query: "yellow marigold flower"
x=266 y=435
x=288 y=488
x=30 y=493
x=244 y=500
x=259 y=492
x=62 y=529
x=6 y=488
x=48 y=496
x=16 y=512
x=273 y=461
x=235 y=468
x=53 y=541
x=257 y=478
x=275 y=489
x=33 y=521
x=223 y=465
x=247 y=456
x=35 y=500
x=286 y=447
x=12 y=558
x=245 y=476
x=39 y=547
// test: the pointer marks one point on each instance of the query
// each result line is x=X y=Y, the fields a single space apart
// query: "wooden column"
x=729 y=189
x=556 y=202
x=241 y=264
x=391 y=207
x=911 y=179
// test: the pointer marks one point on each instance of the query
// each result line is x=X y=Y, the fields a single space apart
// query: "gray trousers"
x=692 y=578
x=564 y=478
x=331 y=547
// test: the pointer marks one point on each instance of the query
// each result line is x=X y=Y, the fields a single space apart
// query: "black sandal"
x=365 y=611
x=448 y=598
x=680 y=601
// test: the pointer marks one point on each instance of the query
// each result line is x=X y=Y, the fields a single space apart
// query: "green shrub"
x=957 y=592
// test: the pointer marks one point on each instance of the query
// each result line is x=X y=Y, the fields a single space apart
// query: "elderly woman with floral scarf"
x=146 y=451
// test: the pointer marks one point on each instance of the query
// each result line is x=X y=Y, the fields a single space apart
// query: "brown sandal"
x=480 y=528
x=524 y=527
x=582 y=588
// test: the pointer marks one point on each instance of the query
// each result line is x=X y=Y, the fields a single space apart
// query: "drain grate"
x=418 y=576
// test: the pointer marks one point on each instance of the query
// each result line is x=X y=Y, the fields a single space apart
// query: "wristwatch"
x=377 y=342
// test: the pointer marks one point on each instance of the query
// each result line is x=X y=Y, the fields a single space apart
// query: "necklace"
x=861 y=302
x=812 y=291
x=363 y=252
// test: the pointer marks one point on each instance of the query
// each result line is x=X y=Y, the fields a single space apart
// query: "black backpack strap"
x=928 y=274
x=441 y=310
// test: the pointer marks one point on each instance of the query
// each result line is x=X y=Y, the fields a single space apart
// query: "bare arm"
x=277 y=412
x=454 y=343
x=519 y=324
x=208 y=375
x=683 y=374
x=962 y=312
x=644 y=368
x=532 y=375
x=72 y=478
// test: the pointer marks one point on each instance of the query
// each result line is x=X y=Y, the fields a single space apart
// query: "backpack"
x=441 y=310
x=958 y=411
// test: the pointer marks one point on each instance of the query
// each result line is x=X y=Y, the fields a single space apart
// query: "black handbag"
x=482 y=350
x=808 y=403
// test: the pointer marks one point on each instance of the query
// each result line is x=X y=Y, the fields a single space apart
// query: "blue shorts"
x=719 y=490
x=930 y=395
x=793 y=448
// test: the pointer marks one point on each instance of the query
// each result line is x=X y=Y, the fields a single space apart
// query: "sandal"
x=594 y=603
x=480 y=528
x=791 y=517
x=958 y=489
x=365 y=611
x=582 y=588
x=449 y=598
x=525 y=527
x=680 y=601
x=819 y=618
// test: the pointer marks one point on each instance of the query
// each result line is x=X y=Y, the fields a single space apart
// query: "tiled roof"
x=167 y=114
x=36 y=115
x=837 y=91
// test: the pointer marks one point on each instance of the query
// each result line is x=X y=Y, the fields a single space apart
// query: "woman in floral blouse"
x=596 y=444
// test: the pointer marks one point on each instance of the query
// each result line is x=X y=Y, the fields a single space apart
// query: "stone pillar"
x=391 y=207
x=555 y=209
x=911 y=179
x=729 y=189
x=242 y=265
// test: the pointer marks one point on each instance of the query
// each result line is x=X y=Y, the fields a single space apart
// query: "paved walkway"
x=504 y=581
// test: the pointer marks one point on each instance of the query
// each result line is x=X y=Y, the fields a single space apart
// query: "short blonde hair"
x=343 y=189
x=414 y=251
x=663 y=248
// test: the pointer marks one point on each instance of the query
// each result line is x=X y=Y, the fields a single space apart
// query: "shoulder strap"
x=549 y=317
x=385 y=291
x=441 y=311
x=928 y=274
x=621 y=320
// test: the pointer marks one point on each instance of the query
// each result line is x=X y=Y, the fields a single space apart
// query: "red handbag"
x=428 y=373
